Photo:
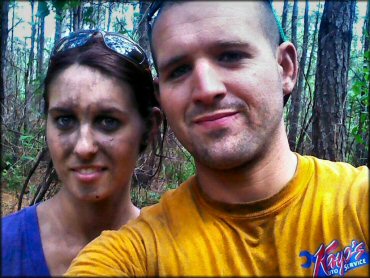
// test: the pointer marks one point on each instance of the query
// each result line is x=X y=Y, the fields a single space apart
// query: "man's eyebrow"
x=229 y=44
x=219 y=44
x=170 y=62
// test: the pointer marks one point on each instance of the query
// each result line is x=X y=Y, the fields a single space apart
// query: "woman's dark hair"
x=97 y=55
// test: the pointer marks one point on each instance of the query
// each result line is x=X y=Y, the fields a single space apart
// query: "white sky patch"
x=23 y=11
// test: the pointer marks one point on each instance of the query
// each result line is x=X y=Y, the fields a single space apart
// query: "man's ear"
x=287 y=59
x=156 y=89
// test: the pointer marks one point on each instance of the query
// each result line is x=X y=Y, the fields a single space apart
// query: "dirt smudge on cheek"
x=67 y=141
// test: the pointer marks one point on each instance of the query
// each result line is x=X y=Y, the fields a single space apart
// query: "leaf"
x=356 y=88
x=25 y=137
x=354 y=130
x=359 y=139
x=59 y=4
x=73 y=4
x=43 y=9
x=367 y=54
x=89 y=11
x=364 y=118
x=29 y=158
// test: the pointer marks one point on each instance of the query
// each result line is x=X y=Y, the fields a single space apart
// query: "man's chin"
x=224 y=162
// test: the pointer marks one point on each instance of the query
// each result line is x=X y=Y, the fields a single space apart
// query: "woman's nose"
x=86 y=146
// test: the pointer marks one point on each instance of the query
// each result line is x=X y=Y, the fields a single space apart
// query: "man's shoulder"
x=337 y=174
x=338 y=168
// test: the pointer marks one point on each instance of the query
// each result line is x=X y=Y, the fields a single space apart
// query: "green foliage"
x=59 y=4
x=43 y=9
x=360 y=98
x=177 y=173
x=18 y=163
x=12 y=176
x=88 y=16
x=173 y=174
x=142 y=197
x=74 y=4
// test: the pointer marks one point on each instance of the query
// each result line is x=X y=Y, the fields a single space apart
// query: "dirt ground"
x=9 y=202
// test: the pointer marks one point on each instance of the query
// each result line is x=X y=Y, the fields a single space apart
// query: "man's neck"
x=250 y=182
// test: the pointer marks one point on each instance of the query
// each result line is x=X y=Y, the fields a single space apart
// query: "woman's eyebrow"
x=60 y=109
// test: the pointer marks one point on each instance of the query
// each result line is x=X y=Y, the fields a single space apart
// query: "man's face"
x=220 y=81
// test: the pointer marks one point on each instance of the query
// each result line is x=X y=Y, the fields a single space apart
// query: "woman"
x=101 y=111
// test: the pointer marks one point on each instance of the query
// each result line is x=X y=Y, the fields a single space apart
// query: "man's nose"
x=86 y=146
x=208 y=85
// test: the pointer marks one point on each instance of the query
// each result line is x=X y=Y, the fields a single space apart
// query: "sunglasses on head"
x=118 y=43
x=156 y=5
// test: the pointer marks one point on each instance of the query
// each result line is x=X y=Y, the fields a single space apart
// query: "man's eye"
x=231 y=56
x=179 y=71
x=65 y=122
x=108 y=124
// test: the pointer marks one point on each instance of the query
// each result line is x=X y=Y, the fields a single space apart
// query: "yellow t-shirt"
x=316 y=225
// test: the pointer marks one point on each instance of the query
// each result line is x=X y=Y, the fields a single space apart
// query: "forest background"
x=327 y=115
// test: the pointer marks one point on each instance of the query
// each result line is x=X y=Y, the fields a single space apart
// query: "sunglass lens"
x=76 y=40
x=124 y=47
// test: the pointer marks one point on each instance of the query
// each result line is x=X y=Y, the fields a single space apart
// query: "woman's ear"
x=287 y=59
x=156 y=88
x=156 y=120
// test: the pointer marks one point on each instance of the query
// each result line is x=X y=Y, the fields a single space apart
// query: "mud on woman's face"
x=93 y=133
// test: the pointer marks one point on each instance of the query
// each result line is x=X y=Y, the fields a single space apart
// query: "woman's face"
x=93 y=133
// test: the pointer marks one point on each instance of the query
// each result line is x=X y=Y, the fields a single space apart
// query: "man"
x=254 y=207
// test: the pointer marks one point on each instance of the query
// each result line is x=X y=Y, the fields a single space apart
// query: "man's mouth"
x=215 y=120
x=213 y=117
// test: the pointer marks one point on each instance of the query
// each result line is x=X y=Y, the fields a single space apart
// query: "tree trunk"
x=29 y=72
x=77 y=17
x=4 y=38
x=59 y=14
x=12 y=36
x=142 y=28
x=4 y=29
x=335 y=36
x=91 y=16
x=284 y=17
x=295 y=105
x=306 y=123
x=99 y=14
x=111 y=4
x=41 y=39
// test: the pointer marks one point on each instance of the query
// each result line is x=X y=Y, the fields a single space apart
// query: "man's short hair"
x=270 y=23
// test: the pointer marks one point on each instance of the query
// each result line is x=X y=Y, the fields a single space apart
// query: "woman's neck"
x=67 y=225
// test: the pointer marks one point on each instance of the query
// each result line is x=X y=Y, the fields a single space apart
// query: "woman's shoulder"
x=12 y=223
x=21 y=245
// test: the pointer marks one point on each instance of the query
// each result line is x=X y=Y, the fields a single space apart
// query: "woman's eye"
x=108 y=124
x=231 y=56
x=179 y=71
x=65 y=122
